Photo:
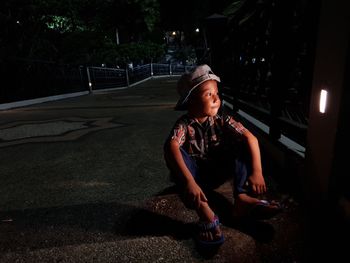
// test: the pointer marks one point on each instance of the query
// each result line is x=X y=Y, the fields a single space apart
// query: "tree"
x=72 y=30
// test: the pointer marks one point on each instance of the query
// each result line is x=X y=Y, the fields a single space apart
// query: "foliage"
x=84 y=31
x=79 y=31
x=137 y=52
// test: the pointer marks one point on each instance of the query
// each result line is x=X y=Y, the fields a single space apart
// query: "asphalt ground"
x=84 y=180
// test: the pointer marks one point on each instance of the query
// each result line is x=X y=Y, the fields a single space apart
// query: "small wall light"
x=323 y=100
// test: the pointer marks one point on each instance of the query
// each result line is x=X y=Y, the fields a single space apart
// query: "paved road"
x=83 y=180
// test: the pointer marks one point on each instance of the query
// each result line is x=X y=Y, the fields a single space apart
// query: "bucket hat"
x=191 y=80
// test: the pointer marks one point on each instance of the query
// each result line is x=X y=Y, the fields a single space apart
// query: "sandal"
x=262 y=210
x=211 y=227
x=265 y=210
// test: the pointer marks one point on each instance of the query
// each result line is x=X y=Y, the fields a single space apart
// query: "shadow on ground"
x=161 y=215
x=88 y=223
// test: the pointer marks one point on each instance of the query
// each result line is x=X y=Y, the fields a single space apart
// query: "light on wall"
x=323 y=100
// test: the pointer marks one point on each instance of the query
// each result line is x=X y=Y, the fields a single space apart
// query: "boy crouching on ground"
x=206 y=148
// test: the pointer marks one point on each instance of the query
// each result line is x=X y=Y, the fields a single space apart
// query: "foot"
x=210 y=232
x=250 y=207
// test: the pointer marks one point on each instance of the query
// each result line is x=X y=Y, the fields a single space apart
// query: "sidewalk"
x=83 y=180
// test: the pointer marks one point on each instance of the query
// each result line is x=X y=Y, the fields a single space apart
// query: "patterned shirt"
x=202 y=140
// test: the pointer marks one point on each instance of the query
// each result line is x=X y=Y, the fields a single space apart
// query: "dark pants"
x=210 y=174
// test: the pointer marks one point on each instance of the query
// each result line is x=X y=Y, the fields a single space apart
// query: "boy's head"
x=188 y=84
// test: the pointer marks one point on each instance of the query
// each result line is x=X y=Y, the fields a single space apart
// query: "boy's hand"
x=257 y=183
x=195 y=194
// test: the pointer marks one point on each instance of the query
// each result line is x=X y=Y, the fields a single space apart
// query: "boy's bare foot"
x=246 y=206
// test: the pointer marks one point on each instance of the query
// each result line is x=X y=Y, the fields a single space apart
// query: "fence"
x=105 y=78
x=34 y=80
x=266 y=62
x=28 y=79
x=108 y=78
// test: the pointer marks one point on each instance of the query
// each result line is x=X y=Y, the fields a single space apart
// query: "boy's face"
x=205 y=101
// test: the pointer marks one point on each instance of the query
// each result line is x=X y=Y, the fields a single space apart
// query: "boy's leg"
x=241 y=173
x=224 y=168
x=244 y=204
x=190 y=163
x=205 y=213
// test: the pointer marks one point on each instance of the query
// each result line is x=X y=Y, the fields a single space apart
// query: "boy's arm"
x=256 y=179
x=177 y=163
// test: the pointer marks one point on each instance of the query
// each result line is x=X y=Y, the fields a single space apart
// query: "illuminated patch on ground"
x=65 y=129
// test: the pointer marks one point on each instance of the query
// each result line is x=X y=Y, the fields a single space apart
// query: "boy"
x=206 y=148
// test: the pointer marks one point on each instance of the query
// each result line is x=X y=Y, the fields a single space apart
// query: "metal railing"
x=139 y=73
x=111 y=78
x=266 y=62
x=105 y=78
x=27 y=79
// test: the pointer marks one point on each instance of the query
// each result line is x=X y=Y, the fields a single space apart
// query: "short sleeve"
x=179 y=133
x=234 y=125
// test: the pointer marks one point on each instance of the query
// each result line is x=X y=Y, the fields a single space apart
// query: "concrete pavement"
x=83 y=180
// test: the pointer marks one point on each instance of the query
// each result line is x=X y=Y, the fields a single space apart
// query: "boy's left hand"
x=257 y=183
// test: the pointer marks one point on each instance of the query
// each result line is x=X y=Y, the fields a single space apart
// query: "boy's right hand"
x=194 y=194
